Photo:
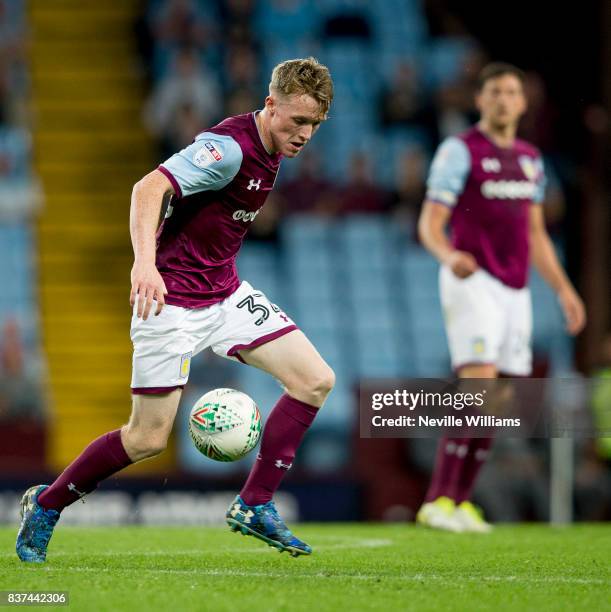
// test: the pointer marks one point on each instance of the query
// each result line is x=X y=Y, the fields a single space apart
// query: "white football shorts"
x=487 y=322
x=164 y=345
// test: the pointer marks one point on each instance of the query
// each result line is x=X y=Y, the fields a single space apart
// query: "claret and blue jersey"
x=221 y=181
x=490 y=190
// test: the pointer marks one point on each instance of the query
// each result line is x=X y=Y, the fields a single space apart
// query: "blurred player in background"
x=184 y=271
x=489 y=186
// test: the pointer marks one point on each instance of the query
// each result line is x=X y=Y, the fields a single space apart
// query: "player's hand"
x=147 y=285
x=462 y=264
x=573 y=309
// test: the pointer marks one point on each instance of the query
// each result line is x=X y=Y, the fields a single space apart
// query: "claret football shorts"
x=487 y=322
x=164 y=345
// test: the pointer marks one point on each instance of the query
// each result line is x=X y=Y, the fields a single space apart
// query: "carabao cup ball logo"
x=225 y=424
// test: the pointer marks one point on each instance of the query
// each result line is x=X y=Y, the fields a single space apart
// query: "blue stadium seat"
x=313 y=286
x=444 y=59
x=257 y=264
x=314 y=316
x=305 y=230
x=420 y=272
x=327 y=8
x=278 y=49
x=17 y=278
x=288 y=23
x=378 y=352
x=436 y=367
x=369 y=293
x=397 y=141
x=304 y=261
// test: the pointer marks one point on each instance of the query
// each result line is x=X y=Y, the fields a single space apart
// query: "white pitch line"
x=376 y=577
x=354 y=544
x=345 y=546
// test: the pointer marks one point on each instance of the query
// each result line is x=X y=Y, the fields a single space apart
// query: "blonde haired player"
x=488 y=186
x=184 y=275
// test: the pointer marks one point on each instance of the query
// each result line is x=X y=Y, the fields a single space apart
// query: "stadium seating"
x=92 y=149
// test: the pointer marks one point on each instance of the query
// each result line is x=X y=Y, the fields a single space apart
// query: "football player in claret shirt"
x=186 y=297
x=488 y=186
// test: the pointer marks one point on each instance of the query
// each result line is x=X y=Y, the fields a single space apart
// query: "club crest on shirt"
x=478 y=346
x=529 y=167
x=206 y=155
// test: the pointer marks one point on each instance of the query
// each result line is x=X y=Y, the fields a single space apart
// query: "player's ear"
x=270 y=104
x=477 y=99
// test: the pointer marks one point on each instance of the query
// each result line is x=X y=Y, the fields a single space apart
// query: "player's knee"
x=144 y=445
x=155 y=446
x=318 y=385
x=150 y=447
x=326 y=382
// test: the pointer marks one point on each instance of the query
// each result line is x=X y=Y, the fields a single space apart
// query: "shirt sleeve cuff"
x=172 y=180
x=439 y=197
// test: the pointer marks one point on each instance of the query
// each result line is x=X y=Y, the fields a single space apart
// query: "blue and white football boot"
x=264 y=523
x=36 y=528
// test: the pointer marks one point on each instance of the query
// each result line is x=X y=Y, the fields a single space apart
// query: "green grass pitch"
x=354 y=567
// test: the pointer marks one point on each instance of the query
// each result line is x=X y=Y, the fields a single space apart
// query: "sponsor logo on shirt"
x=243 y=215
x=491 y=164
x=206 y=156
x=508 y=190
x=213 y=151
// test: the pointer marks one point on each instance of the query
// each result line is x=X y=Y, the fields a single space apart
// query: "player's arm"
x=433 y=235
x=449 y=170
x=148 y=196
x=209 y=163
x=544 y=258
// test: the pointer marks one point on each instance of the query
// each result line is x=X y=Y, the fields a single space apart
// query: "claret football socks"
x=447 y=506
x=101 y=459
x=285 y=427
x=41 y=504
x=253 y=511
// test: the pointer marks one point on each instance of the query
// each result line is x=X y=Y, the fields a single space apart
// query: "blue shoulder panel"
x=541 y=181
x=209 y=163
x=449 y=171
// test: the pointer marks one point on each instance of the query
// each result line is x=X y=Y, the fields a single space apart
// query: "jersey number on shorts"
x=253 y=307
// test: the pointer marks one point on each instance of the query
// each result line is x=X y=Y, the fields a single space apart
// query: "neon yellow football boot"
x=470 y=518
x=439 y=514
